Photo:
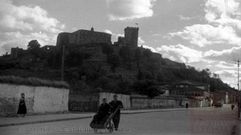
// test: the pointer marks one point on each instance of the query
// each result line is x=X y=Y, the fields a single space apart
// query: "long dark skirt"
x=22 y=108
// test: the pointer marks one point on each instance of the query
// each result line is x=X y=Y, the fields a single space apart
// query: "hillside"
x=102 y=67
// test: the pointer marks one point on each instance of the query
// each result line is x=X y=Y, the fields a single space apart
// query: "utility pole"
x=62 y=62
x=238 y=74
x=239 y=97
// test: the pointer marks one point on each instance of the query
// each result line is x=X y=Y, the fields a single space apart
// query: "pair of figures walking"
x=106 y=109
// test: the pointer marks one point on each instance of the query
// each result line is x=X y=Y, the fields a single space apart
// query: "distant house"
x=225 y=96
x=190 y=89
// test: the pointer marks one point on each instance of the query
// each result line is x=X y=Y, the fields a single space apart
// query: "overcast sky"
x=201 y=33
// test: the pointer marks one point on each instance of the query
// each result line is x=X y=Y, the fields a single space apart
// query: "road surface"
x=206 y=121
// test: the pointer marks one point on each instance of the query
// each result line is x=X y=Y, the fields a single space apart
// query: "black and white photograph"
x=121 y=67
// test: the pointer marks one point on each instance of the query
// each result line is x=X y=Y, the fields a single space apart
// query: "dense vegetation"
x=31 y=81
x=106 y=68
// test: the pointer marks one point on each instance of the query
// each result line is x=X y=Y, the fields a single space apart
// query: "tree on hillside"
x=114 y=61
x=147 y=87
x=144 y=74
x=75 y=58
x=107 y=49
x=79 y=86
x=138 y=57
x=33 y=44
x=34 y=49
x=54 y=60
x=125 y=54
x=139 y=75
x=107 y=84
x=147 y=53
x=123 y=87
x=160 y=77
x=152 y=64
x=93 y=71
x=206 y=72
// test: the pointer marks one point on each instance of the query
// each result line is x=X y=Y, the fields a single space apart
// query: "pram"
x=105 y=123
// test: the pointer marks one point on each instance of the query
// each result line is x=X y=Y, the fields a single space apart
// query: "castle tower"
x=131 y=36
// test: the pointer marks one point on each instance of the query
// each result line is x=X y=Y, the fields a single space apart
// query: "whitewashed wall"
x=48 y=99
x=38 y=99
x=143 y=102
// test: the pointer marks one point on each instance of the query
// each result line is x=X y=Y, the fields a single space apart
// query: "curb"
x=83 y=117
x=43 y=121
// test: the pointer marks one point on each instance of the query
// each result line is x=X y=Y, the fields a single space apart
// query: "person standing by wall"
x=116 y=106
x=22 y=109
x=187 y=105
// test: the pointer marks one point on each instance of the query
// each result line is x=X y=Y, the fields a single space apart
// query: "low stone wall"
x=90 y=103
x=142 y=102
x=38 y=99
x=83 y=103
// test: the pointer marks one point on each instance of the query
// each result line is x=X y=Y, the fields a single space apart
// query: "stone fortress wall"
x=82 y=37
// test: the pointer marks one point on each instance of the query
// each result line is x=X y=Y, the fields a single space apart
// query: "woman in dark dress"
x=102 y=114
x=22 y=110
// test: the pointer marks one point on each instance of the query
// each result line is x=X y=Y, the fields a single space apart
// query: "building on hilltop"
x=130 y=38
x=16 y=52
x=82 y=37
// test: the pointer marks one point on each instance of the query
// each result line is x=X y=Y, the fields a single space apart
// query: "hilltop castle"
x=82 y=37
x=87 y=41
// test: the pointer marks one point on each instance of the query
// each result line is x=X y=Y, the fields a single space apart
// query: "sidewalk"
x=33 y=119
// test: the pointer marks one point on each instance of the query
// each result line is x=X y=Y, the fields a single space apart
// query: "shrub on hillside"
x=147 y=87
x=32 y=81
